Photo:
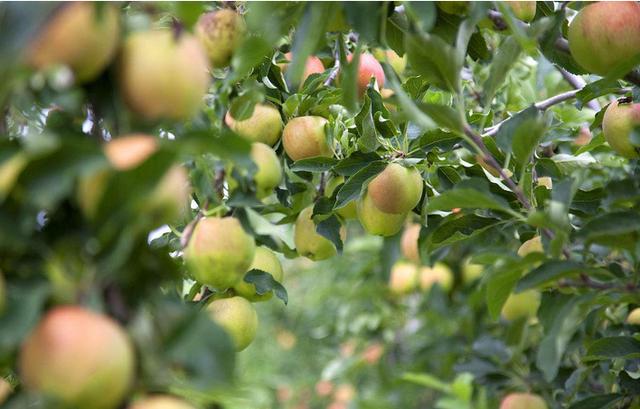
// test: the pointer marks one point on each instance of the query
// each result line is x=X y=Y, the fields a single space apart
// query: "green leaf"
x=25 y=300
x=365 y=17
x=500 y=284
x=521 y=134
x=353 y=186
x=459 y=228
x=549 y=272
x=618 y=229
x=431 y=57
x=329 y=228
x=612 y=348
x=467 y=195
x=242 y=107
x=422 y=13
x=598 y=401
x=264 y=282
x=505 y=58
x=444 y=116
x=317 y=164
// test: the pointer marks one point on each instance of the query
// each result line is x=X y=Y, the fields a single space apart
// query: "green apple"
x=74 y=355
x=267 y=261
x=396 y=189
x=377 y=222
x=237 y=316
x=471 y=272
x=523 y=10
x=439 y=274
x=397 y=63
x=409 y=242
x=308 y=242
x=305 y=137
x=347 y=212
x=163 y=76
x=533 y=245
x=521 y=305
x=617 y=124
x=522 y=401
x=221 y=33
x=219 y=252
x=403 y=278
x=264 y=125
x=605 y=34
x=161 y=402
x=79 y=35
x=269 y=173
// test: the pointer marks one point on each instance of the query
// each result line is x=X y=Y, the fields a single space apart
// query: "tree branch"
x=578 y=83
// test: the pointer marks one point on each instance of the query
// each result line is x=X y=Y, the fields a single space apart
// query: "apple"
x=605 y=34
x=161 y=402
x=162 y=75
x=219 y=252
x=471 y=272
x=368 y=67
x=403 y=278
x=347 y=212
x=5 y=390
x=79 y=36
x=618 y=122
x=397 y=63
x=313 y=65
x=269 y=173
x=634 y=317
x=396 y=189
x=459 y=8
x=440 y=273
x=533 y=245
x=308 y=242
x=264 y=125
x=74 y=355
x=221 y=33
x=522 y=401
x=521 y=305
x=305 y=137
x=377 y=222
x=545 y=181
x=409 y=242
x=523 y=10
x=237 y=317
x=267 y=261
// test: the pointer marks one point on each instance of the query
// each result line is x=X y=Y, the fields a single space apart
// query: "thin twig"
x=578 y=83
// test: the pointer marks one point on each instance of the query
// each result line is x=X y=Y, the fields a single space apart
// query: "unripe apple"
x=308 y=242
x=470 y=271
x=396 y=189
x=267 y=261
x=521 y=305
x=397 y=63
x=459 y=8
x=440 y=274
x=269 y=173
x=634 y=317
x=163 y=75
x=522 y=401
x=219 y=252
x=377 y=222
x=605 y=34
x=221 y=33
x=264 y=125
x=238 y=317
x=523 y=10
x=78 y=35
x=533 y=245
x=617 y=124
x=5 y=390
x=545 y=181
x=74 y=355
x=368 y=67
x=305 y=137
x=409 y=242
x=167 y=200
x=161 y=402
x=313 y=65
x=403 y=278
x=347 y=212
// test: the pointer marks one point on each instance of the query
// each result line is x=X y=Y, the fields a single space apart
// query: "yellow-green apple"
x=439 y=274
x=377 y=222
x=163 y=75
x=269 y=173
x=264 y=260
x=533 y=245
x=409 y=242
x=617 y=124
x=397 y=63
x=238 y=318
x=80 y=35
x=403 y=278
x=74 y=355
x=522 y=401
x=264 y=125
x=523 y=10
x=161 y=402
x=221 y=33
x=347 y=212
x=305 y=137
x=396 y=189
x=219 y=252
x=470 y=271
x=308 y=242
x=634 y=317
x=605 y=34
x=521 y=305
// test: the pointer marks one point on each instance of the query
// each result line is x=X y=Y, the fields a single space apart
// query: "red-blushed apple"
x=305 y=137
x=618 y=122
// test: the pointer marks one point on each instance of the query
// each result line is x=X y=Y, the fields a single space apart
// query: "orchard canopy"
x=301 y=205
